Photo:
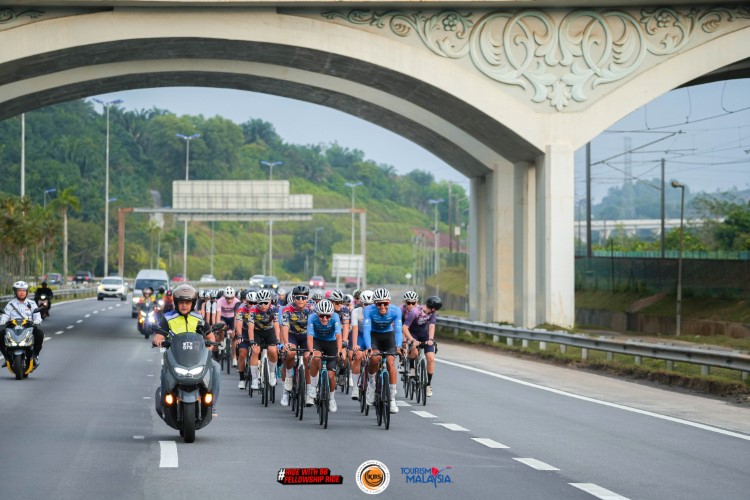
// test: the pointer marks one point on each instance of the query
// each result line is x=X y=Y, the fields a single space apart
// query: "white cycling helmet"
x=381 y=295
x=411 y=296
x=325 y=306
x=367 y=297
x=336 y=296
x=252 y=297
x=229 y=292
x=263 y=296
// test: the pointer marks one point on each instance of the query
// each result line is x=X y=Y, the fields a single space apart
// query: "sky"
x=703 y=132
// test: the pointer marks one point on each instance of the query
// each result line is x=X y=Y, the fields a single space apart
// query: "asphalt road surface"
x=83 y=426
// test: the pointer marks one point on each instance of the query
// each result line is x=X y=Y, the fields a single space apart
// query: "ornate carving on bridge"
x=10 y=16
x=563 y=58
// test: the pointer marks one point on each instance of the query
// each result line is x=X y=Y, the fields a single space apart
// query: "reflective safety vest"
x=183 y=324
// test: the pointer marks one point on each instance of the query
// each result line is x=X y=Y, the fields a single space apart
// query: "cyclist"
x=419 y=328
x=341 y=307
x=225 y=308
x=293 y=319
x=20 y=308
x=323 y=336
x=208 y=308
x=410 y=303
x=241 y=319
x=382 y=330
x=355 y=296
x=357 y=341
x=282 y=293
x=263 y=328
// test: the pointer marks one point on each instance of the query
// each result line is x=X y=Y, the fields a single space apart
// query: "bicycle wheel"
x=423 y=381
x=264 y=382
x=378 y=395
x=249 y=378
x=385 y=400
x=347 y=377
x=301 y=391
x=361 y=390
x=324 y=395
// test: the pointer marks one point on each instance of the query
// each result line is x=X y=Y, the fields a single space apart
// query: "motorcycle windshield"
x=187 y=348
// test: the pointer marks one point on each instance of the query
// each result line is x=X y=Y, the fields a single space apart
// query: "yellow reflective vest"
x=183 y=324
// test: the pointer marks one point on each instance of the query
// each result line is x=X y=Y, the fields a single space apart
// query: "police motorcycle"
x=147 y=318
x=184 y=400
x=42 y=303
x=19 y=346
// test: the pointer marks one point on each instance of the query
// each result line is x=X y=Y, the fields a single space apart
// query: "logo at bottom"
x=373 y=477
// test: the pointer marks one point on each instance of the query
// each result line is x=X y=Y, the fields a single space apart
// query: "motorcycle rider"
x=184 y=319
x=22 y=307
x=44 y=290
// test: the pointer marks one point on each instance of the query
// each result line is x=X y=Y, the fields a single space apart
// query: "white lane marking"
x=69 y=327
x=598 y=491
x=146 y=397
x=424 y=414
x=58 y=332
x=139 y=437
x=110 y=307
x=168 y=454
x=402 y=403
x=454 y=427
x=118 y=305
x=79 y=321
x=489 y=443
x=87 y=316
x=96 y=312
x=47 y=338
x=536 y=464
x=647 y=413
x=150 y=375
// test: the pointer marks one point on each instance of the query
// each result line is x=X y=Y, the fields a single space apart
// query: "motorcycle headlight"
x=9 y=339
x=193 y=372
x=27 y=340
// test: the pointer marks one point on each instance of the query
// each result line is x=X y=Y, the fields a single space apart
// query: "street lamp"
x=44 y=250
x=46 y=192
x=187 y=139
x=315 y=253
x=353 y=185
x=681 y=186
x=270 y=165
x=436 y=203
x=107 y=105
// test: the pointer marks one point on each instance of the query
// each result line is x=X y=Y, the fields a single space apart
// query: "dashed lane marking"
x=168 y=454
x=58 y=332
x=69 y=327
x=47 y=338
x=536 y=464
x=139 y=437
x=489 y=443
x=424 y=414
x=87 y=316
x=454 y=427
x=598 y=491
x=402 y=403
x=146 y=397
x=96 y=312
x=79 y=321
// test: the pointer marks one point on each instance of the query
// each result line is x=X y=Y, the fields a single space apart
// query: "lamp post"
x=270 y=165
x=435 y=203
x=187 y=139
x=44 y=250
x=353 y=185
x=315 y=253
x=681 y=186
x=106 y=105
x=46 y=192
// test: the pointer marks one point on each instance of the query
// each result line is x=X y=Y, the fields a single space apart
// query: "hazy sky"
x=703 y=132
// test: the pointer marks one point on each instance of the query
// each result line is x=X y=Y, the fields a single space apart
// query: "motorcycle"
x=184 y=400
x=147 y=318
x=19 y=347
x=42 y=303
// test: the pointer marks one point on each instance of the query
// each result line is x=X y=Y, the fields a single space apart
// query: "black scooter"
x=184 y=399
x=19 y=347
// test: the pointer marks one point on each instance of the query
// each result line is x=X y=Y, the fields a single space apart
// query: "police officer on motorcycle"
x=44 y=290
x=22 y=307
x=183 y=320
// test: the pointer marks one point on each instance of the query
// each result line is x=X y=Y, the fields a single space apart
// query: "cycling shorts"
x=385 y=342
x=298 y=340
x=266 y=337
x=328 y=348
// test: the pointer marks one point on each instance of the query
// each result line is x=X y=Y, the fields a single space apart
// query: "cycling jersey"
x=261 y=320
x=243 y=315
x=418 y=323
x=226 y=307
x=294 y=319
x=377 y=323
x=357 y=320
x=319 y=331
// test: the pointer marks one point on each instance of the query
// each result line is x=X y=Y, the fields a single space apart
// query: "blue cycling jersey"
x=374 y=322
x=319 y=331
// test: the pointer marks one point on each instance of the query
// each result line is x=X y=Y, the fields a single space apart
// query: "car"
x=256 y=280
x=112 y=286
x=178 y=278
x=83 y=277
x=270 y=282
x=53 y=279
x=208 y=278
x=318 y=282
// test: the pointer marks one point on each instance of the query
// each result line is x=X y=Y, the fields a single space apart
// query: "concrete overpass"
x=503 y=92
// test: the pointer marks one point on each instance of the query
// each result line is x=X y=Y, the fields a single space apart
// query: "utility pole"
x=663 y=210
x=589 y=253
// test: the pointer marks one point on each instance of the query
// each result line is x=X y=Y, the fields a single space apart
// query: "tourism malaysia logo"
x=427 y=475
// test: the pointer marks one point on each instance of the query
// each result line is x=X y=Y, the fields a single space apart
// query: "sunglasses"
x=300 y=297
x=382 y=304
x=410 y=303
x=264 y=303
x=324 y=316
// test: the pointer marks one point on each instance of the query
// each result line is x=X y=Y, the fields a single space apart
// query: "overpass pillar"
x=524 y=253
x=555 y=282
x=478 y=309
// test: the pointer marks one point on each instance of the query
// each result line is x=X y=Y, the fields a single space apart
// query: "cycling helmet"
x=282 y=291
x=325 y=306
x=263 y=296
x=328 y=294
x=411 y=296
x=317 y=295
x=168 y=293
x=213 y=294
x=274 y=298
x=366 y=297
x=381 y=294
x=20 y=285
x=229 y=292
x=201 y=294
x=185 y=292
x=336 y=296
x=434 y=302
x=252 y=297
x=161 y=290
x=300 y=290
x=148 y=290
x=357 y=293
x=348 y=299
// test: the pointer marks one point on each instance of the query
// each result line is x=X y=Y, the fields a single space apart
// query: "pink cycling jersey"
x=226 y=308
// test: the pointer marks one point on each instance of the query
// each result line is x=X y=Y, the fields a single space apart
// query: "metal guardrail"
x=66 y=293
x=699 y=355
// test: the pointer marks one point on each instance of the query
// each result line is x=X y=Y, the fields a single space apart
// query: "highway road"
x=83 y=426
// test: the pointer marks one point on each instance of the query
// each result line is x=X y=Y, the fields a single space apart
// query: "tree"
x=66 y=200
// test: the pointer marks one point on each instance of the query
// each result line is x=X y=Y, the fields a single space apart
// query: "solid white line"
x=79 y=321
x=424 y=414
x=87 y=316
x=489 y=443
x=536 y=464
x=454 y=427
x=598 y=491
x=600 y=402
x=168 y=454
x=58 y=333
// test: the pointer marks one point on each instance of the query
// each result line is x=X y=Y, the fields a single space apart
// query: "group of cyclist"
x=345 y=329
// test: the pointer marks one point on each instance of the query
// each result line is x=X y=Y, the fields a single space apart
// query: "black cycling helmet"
x=161 y=290
x=243 y=294
x=301 y=290
x=434 y=302
x=357 y=293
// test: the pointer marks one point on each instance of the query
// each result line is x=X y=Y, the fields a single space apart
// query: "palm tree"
x=66 y=200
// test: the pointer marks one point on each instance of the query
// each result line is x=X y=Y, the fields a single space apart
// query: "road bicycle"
x=343 y=373
x=418 y=382
x=299 y=386
x=362 y=382
x=382 y=402
x=267 y=392
x=323 y=393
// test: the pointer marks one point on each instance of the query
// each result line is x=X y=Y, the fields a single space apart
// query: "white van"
x=152 y=278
